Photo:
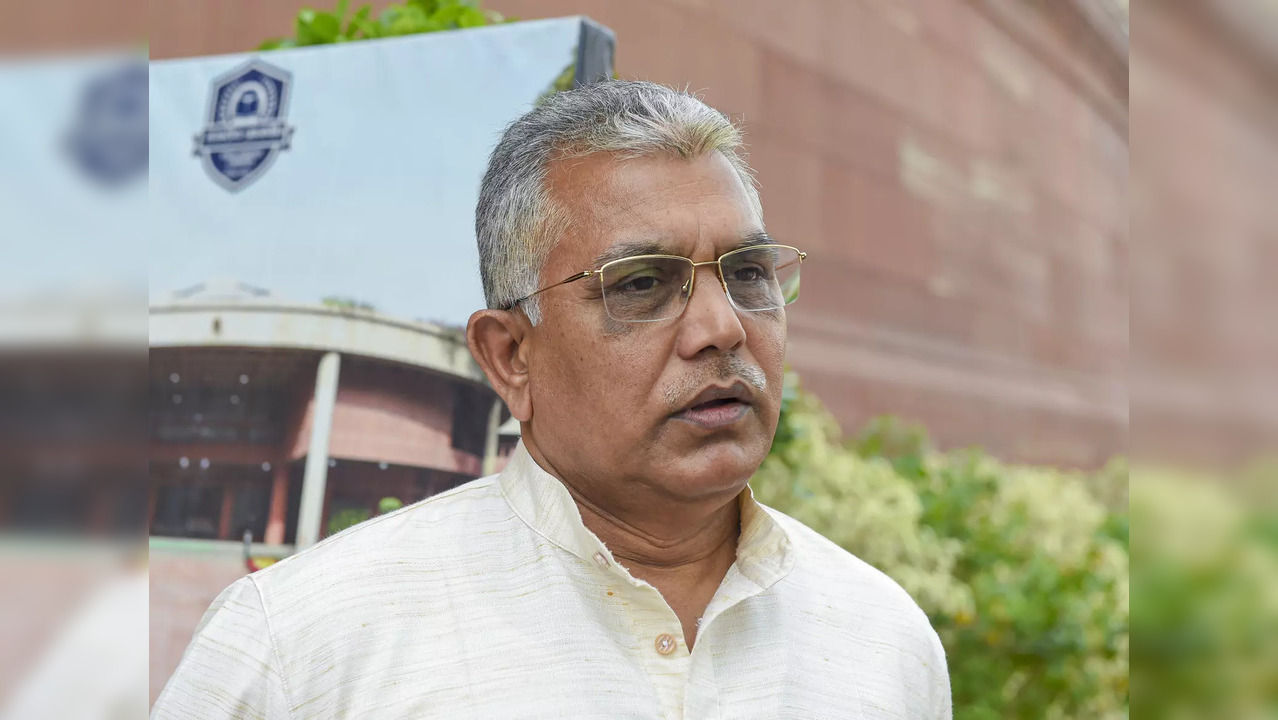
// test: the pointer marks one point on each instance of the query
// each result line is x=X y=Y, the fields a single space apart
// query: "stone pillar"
x=490 y=442
x=277 y=516
x=311 y=517
x=228 y=509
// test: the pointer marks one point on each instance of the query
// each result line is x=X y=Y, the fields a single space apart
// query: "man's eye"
x=749 y=274
x=642 y=283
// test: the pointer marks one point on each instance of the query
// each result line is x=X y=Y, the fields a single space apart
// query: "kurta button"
x=601 y=561
x=666 y=643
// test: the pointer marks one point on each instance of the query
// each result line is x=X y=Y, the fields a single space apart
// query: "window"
x=192 y=511
x=470 y=419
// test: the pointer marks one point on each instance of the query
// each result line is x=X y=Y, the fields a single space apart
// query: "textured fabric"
x=494 y=601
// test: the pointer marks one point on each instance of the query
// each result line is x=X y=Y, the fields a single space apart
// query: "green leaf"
x=302 y=26
x=361 y=16
x=406 y=20
x=275 y=44
x=472 y=17
x=429 y=7
x=447 y=14
x=317 y=28
x=327 y=27
x=369 y=29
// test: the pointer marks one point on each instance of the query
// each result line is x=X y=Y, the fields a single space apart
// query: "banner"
x=345 y=170
x=73 y=164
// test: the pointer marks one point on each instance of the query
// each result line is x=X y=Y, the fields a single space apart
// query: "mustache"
x=724 y=367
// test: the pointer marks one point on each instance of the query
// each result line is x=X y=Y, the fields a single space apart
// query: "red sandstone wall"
x=382 y=415
x=396 y=418
x=957 y=168
x=1205 y=360
x=965 y=205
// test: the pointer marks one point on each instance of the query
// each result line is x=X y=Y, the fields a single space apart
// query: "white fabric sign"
x=376 y=150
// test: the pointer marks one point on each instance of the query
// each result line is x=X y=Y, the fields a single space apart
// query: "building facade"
x=287 y=422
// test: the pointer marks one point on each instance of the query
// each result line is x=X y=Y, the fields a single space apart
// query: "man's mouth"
x=717 y=407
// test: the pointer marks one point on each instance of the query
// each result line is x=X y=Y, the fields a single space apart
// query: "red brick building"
x=289 y=421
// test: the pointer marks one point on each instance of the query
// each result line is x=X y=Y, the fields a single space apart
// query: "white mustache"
x=729 y=367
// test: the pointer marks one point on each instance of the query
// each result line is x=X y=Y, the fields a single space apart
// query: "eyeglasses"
x=649 y=288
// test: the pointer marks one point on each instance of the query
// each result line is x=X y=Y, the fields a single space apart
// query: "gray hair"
x=516 y=224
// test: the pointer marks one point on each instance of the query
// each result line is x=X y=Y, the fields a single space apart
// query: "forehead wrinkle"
x=627 y=201
x=588 y=213
x=636 y=214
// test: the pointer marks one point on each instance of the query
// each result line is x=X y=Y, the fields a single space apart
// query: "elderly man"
x=618 y=567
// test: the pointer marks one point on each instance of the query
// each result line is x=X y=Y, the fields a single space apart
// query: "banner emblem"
x=247 y=128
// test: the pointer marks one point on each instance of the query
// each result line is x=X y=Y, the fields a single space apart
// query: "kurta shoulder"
x=427 y=532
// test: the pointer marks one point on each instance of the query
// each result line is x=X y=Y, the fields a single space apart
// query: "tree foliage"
x=1023 y=570
x=411 y=17
x=350 y=517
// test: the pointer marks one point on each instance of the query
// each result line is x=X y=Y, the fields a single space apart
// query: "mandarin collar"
x=765 y=553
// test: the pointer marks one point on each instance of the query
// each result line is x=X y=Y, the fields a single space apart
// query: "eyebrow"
x=631 y=248
x=757 y=237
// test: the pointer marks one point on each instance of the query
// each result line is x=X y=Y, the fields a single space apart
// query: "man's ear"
x=497 y=342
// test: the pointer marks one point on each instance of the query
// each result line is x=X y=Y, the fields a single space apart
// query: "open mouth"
x=716 y=403
x=715 y=413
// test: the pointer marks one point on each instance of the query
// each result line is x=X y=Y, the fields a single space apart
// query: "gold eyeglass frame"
x=692 y=280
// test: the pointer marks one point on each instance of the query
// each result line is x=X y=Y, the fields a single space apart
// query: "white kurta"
x=493 y=600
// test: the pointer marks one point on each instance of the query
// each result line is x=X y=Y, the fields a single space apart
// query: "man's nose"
x=710 y=320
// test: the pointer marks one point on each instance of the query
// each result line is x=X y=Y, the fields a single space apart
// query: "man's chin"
x=744 y=439
x=718 y=465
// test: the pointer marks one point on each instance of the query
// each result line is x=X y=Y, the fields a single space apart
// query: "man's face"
x=620 y=400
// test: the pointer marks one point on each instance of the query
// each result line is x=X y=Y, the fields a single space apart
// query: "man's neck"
x=694 y=540
x=686 y=566
x=682 y=549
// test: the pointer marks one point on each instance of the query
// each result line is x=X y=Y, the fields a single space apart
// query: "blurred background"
x=959 y=169
x=986 y=245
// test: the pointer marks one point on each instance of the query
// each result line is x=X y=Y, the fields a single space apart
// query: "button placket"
x=659 y=645
x=602 y=561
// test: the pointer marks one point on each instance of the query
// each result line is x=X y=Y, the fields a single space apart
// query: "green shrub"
x=346 y=517
x=319 y=27
x=859 y=503
x=1206 y=588
x=1022 y=570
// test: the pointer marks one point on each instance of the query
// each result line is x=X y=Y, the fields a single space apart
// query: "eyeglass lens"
x=646 y=289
